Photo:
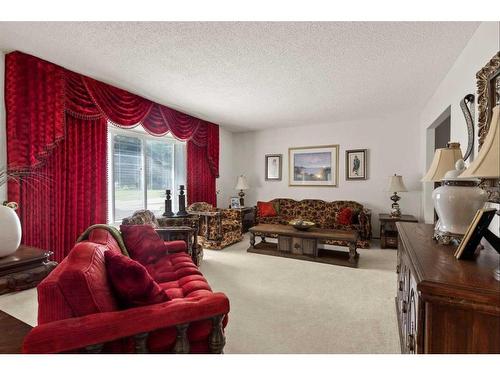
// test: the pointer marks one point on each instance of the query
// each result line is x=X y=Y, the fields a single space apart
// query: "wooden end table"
x=293 y=243
x=388 y=230
x=24 y=269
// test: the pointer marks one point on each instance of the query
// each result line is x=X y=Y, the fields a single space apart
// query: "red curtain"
x=199 y=169
x=56 y=147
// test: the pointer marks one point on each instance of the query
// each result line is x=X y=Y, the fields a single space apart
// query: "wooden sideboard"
x=445 y=305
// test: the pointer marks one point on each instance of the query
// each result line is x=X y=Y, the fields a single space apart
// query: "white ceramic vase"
x=10 y=231
x=456 y=206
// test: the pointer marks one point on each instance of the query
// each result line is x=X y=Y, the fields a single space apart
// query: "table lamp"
x=241 y=185
x=457 y=200
x=396 y=185
x=487 y=162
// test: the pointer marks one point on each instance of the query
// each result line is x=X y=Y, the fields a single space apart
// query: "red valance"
x=57 y=147
x=46 y=91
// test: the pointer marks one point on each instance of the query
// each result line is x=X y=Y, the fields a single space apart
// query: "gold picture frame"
x=316 y=166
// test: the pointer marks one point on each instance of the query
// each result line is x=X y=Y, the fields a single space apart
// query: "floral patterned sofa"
x=324 y=214
x=219 y=227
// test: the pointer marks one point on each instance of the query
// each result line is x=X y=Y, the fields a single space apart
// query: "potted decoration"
x=10 y=229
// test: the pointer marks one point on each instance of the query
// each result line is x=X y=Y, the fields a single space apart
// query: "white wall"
x=393 y=147
x=460 y=80
x=228 y=174
x=3 y=147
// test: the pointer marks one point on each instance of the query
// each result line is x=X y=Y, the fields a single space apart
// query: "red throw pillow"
x=266 y=209
x=143 y=243
x=131 y=281
x=345 y=216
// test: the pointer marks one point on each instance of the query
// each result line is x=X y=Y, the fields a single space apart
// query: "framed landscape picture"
x=273 y=167
x=355 y=164
x=313 y=166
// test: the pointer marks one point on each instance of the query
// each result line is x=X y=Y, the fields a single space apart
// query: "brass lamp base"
x=242 y=198
x=395 y=211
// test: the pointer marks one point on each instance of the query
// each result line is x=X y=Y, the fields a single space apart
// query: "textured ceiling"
x=254 y=75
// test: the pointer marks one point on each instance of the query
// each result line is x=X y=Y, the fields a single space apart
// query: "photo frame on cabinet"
x=274 y=166
x=356 y=164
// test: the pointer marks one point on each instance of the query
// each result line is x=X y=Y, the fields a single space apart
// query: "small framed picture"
x=235 y=202
x=273 y=167
x=355 y=164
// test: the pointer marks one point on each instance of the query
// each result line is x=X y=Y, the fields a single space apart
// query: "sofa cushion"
x=131 y=281
x=172 y=267
x=84 y=282
x=143 y=243
x=266 y=209
x=175 y=246
x=345 y=216
x=288 y=209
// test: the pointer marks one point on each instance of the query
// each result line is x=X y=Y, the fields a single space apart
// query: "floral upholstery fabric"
x=141 y=217
x=224 y=227
x=324 y=214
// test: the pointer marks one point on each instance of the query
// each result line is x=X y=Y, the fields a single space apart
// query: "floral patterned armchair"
x=218 y=227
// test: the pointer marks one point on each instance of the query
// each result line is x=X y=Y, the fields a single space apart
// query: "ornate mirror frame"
x=488 y=96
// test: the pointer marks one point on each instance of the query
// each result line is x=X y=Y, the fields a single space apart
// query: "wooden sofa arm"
x=91 y=332
x=365 y=222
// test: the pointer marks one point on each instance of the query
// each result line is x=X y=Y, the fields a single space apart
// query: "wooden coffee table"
x=293 y=243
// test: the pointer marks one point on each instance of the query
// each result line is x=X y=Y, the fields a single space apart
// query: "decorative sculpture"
x=467 y=106
x=168 y=205
x=182 y=203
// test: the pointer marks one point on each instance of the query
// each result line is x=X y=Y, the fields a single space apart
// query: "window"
x=141 y=167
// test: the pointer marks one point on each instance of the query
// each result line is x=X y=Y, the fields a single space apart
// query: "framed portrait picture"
x=273 y=167
x=355 y=164
x=235 y=202
x=313 y=166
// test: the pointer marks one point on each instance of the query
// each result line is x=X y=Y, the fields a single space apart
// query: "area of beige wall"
x=392 y=142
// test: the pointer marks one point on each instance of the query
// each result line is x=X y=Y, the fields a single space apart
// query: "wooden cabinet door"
x=285 y=244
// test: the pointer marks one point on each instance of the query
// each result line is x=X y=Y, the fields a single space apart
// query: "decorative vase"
x=10 y=231
x=456 y=203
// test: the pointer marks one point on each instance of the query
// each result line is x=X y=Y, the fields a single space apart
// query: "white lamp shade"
x=487 y=162
x=396 y=184
x=242 y=183
x=444 y=161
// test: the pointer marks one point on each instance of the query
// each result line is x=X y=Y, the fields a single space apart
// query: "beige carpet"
x=283 y=305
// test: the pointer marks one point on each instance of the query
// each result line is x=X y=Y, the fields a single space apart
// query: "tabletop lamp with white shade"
x=241 y=185
x=487 y=165
x=396 y=185
x=457 y=200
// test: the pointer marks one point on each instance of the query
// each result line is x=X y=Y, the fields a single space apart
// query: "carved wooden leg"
x=252 y=239
x=353 y=254
x=140 y=343
x=181 y=343
x=217 y=340
x=94 y=349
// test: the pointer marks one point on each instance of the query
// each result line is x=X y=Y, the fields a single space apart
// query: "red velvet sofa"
x=77 y=311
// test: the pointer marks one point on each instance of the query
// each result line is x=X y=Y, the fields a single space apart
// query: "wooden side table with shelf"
x=388 y=230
